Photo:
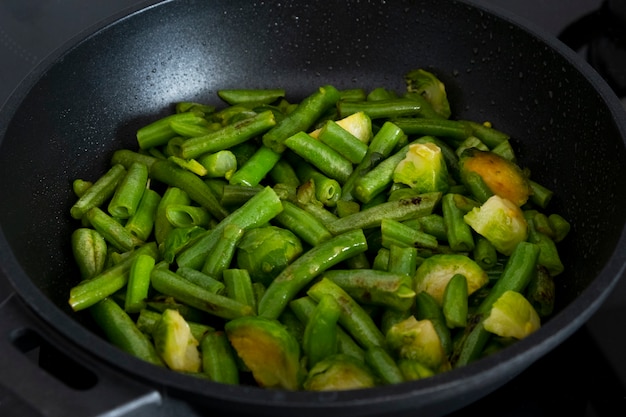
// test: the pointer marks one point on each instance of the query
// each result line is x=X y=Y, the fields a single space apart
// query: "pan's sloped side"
x=565 y=124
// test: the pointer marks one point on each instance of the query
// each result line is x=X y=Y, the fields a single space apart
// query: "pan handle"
x=42 y=374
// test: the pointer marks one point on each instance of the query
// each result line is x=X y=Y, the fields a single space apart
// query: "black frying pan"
x=68 y=117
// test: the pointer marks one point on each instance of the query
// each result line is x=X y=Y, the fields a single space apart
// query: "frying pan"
x=89 y=99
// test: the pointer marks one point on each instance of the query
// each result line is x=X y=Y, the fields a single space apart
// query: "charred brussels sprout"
x=436 y=271
x=501 y=222
x=265 y=251
x=501 y=176
x=339 y=372
x=423 y=168
x=512 y=315
x=175 y=343
x=431 y=88
x=268 y=349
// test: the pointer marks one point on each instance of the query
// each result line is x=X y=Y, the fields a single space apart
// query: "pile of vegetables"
x=349 y=240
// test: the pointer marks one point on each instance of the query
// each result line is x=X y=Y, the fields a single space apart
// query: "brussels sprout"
x=339 y=372
x=431 y=88
x=268 y=349
x=175 y=343
x=413 y=370
x=436 y=271
x=265 y=251
x=503 y=177
x=512 y=315
x=501 y=222
x=419 y=341
x=423 y=168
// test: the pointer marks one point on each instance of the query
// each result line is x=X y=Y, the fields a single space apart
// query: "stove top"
x=585 y=376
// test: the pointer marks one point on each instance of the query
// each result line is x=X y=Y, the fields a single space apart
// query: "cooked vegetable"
x=501 y=176
x=298 y=245
x=436 y=271
x=501 y=222
x=175 y=343
x=512 y=315
x=270 y=352
x=338 y=373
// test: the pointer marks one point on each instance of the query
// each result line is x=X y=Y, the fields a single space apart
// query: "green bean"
x=303 y=309
x=191 y=128
x=454 y=304
x=387 y=108
x=162 y=226
x=459 y=234
x=191 y=106
x=107 y=282
x=303 y=224
x=220 y=164
x=540 y=195
x=99 y=192
x=379 y=178
x=185 y=215
x=177 y=240
x=505 y=150
x=234 y=195
x=548 y=255
x=320 y=333
x=402 y=260
x=251 y=96
x=141 y=223
x=484 y=253
x=305 y=268
x=174 y=176
x=301 y=118
x=122 y=332
x=228 y=136
x=126 y=158
x=223 y=251
x=260 y=209
x=80 y=187
x=488 y=135
x=138 y=284
x=541 y=292
x=342 y=141
x=327 y=190
x=239 y=286
x=381 y=146
x=159 y=132
x=395 y=233
x=112 y=231
x=169 y=283
x=434 y=127
x=433 y=224
x=383 y=364
x=560 y=226
x=320 y=156
x=219 y=360
x=90 y=251
x=353 y=317
x=201 y=279
x=395 y=210
x=381 y=260
x=427 y=308
x=369 y=286
x=283 y=173
x=256 y=168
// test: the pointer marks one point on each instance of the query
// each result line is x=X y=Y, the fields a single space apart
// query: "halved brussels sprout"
x=512 y=315
x=339 y=372
x=423 y=168
x=419 y=341
x=175 y=343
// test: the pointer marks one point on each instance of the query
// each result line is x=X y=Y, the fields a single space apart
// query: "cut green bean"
x=303 y=224
x=112 y=231
x=99 y=192
x=395 y=233
x=162 y=226
x=184 y=215
x=90 y=251
x=396 y=210
x=228 y=136
x=402 y=260
x=141 y=223
x=379 y=178
x=458 y=232
x=320 y=333
x=256 y=168
x=138 y=284
x=327 y=190
x=126 y=158
x=283 y=173
x=342 y=141
x=384 y=365
x=109 y=281
x=251 y=96
x=321 y=156
x=301 y=118
x=220 y=164
x=455 y=305
x=222 y=253
x=201 y=279
x=219 y=360
x=122 y=331
x=169 y=283
x=309 y=265
x=174 y=176
x=387 y=109
x=353 y=317
x=159 y=132
x=239 y=286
